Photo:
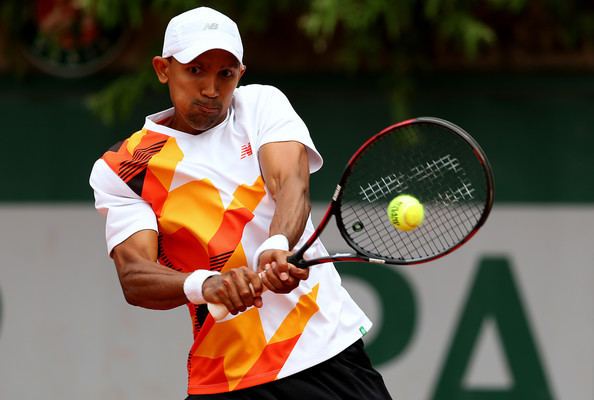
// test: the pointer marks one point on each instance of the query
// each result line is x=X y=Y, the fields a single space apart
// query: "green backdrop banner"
x=536 y=129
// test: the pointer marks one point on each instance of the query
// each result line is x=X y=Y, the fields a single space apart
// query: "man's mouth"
x=208 y=109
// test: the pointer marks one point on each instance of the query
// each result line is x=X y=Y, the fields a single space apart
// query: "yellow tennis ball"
x=406 y=212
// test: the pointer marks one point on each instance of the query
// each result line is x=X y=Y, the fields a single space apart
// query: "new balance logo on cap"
x=213 y=25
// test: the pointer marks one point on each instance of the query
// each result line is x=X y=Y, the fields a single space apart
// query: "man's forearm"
x=150 y=285
x=292 y=210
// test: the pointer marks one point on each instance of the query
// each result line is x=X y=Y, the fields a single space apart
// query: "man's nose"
x=210 y=87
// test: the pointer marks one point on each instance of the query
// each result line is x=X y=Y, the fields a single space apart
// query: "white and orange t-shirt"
x=205 y=196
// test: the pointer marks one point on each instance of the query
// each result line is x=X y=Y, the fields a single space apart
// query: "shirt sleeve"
x=281 y=123
x=126 y=213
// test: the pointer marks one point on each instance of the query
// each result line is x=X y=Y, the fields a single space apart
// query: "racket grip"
x=292 y=259
x=219 y=310
x=297 y=260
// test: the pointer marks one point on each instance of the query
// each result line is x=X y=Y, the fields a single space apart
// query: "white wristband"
x=193 y=285
x=276 y=242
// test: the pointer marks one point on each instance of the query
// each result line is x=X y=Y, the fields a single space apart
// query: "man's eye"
x=194 y=70
x=227 y=73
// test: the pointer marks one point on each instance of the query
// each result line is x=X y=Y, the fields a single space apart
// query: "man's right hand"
x=237 y=289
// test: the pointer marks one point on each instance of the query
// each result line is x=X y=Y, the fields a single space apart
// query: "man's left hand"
x=278 y=275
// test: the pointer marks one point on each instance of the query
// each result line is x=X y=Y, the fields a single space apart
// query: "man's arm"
x=285 y=170
x=147 y=284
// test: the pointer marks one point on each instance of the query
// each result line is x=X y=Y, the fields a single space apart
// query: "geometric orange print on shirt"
x=198 y=231
x=130 y=159
x=236 y=354
x=195 y=229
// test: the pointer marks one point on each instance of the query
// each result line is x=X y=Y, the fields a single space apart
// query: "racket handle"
x=297 y=260
x=219 y=310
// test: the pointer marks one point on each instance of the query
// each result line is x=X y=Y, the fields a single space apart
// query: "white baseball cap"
x=195 y=31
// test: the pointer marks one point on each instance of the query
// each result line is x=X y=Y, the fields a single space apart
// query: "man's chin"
x=204 y=124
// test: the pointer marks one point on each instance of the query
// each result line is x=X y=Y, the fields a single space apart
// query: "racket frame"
x=334 y=206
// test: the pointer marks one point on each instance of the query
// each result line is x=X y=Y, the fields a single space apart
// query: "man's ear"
x=161 y=67
x=242 y=69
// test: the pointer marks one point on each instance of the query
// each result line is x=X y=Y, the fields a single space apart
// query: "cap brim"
x=190 y=53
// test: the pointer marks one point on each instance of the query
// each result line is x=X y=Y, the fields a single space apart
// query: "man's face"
x=201 y=91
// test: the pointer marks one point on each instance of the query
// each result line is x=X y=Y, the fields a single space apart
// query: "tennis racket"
x=429 y=158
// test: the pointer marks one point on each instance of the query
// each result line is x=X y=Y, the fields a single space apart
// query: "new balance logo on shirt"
x=246 y=151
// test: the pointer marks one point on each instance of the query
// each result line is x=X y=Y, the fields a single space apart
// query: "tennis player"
x=206 y=195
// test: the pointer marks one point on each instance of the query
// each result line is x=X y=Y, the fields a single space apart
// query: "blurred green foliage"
x=391 y=36
x=364 y=34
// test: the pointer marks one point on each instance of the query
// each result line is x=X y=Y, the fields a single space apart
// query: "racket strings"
x=383 y=187
x=424 y=160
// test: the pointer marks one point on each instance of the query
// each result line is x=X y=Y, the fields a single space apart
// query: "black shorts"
x=348 y=375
